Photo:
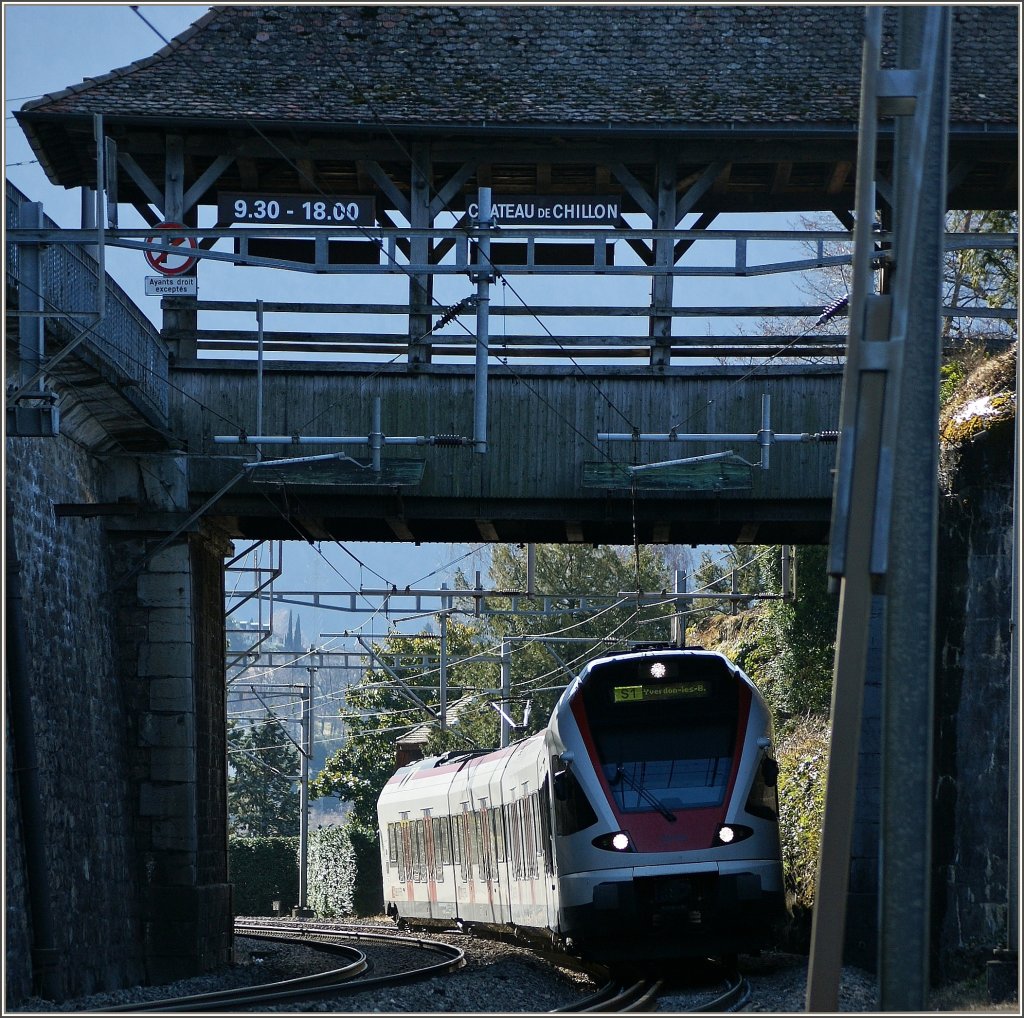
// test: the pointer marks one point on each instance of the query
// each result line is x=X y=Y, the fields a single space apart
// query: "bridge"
x=649 y=411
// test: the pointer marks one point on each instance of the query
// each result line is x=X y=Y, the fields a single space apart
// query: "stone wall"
x=124 y=660
x=972 y=705
x=80 y=728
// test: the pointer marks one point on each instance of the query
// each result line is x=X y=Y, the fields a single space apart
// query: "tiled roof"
x=513 y=65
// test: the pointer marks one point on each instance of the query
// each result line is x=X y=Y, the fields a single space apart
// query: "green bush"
x=803 y=768
x=263 y=870
x=331 y=872
x=368 y=892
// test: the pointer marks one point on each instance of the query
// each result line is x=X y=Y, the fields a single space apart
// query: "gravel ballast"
x=497 y=978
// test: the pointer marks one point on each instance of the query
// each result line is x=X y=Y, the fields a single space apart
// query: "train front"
x=665 y=808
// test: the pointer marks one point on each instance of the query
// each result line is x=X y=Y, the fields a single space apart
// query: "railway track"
x=336 y=982
x=354 y=975
x=643 y=994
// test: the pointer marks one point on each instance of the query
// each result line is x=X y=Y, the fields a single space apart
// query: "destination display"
x=553 y=210
x=645 y=692
x=296 y=209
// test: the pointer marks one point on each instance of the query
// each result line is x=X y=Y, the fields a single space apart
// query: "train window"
x=515 y=837
x=444 y=826
x=573 y=811
x=490 y=865
x=392 y=844
x=419 y=854
x=664 y=765
x=538 y=845
x=456 y=846
x=545 y=826
x=436 y=849
x=665 y=730
x=404 y=851
x=467 y=846
x=474 y=832
x=498 y=834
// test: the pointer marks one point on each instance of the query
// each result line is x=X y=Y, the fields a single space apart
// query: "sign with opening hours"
x=296 y=209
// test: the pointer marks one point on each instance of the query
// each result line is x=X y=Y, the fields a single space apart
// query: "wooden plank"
x=384 y=340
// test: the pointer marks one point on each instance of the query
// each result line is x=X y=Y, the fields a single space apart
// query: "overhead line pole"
x=484 y=276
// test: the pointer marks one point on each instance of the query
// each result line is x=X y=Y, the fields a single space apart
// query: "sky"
x=48 y=47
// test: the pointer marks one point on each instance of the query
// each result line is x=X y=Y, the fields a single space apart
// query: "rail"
x=344 y=979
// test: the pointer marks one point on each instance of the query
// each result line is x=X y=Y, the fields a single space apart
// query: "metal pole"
x=679 y=619
x=89 y=216
x=849 y=558
x=376 y=436
x=101 y=215
x=531 y=564
x=307 y=752
x=764 y=436
x=506 y=691
x=259 y=374
x=483 y=299
x=30 y=327
x=443 y=668
x=909 y=675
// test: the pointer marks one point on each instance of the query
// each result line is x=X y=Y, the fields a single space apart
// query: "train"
x=641 y=823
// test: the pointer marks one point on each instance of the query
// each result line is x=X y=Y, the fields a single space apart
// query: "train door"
x=431 y=858
x=547 y=860
x=486 y=822
x=405 y=856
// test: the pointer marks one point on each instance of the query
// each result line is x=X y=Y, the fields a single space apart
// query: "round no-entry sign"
x=172 y=263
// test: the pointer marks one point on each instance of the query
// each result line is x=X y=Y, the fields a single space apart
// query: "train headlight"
x=617 y=841
x=658 y=670
x=729 y=834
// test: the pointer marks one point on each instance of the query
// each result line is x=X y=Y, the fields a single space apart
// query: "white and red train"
x=642 y=821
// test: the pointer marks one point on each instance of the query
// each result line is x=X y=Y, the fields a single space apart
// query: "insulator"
x=832 y=309
x=447 y=440
x=451 y=313
x=827 y=436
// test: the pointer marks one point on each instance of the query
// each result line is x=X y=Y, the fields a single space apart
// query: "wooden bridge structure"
x=353 y=148
x=595 y=172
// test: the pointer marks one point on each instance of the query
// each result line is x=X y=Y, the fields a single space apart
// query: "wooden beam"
x=306 y=175
x=399 y=528
x=206 y=180
x=839 y=176
x=487 y=531
x=703 y=222
x=247 y=173
x=387 y=186
x=781 y=179
x=148 y=188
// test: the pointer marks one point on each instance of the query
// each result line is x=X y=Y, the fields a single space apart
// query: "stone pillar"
x=188 y=912
x=171 y=635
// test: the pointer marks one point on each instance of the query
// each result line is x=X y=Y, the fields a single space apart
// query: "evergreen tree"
x=541 y=669
x=378 y=712
x=264 y=763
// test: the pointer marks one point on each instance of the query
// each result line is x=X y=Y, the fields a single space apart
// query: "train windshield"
x=664 y=731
